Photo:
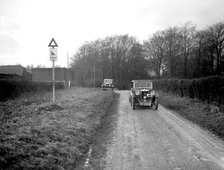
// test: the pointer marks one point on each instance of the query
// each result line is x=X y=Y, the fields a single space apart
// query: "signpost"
x=53 y=58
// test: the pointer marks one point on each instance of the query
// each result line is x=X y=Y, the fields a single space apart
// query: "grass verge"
x=208 y=116
x=35 y=134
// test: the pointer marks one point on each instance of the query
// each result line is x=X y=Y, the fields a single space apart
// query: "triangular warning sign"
x=53 y=43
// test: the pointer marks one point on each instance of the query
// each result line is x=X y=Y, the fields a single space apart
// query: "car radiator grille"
x=144 y=94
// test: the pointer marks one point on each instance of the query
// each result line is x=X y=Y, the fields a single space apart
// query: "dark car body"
x=107 y=84
x=142 y=94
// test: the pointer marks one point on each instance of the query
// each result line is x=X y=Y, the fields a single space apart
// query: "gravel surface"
x=149 y=139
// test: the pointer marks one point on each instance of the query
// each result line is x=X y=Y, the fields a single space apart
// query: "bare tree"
x=111 y=57
x=188 y=32
x=173 y=61
x=154 y=50
x=217 y=37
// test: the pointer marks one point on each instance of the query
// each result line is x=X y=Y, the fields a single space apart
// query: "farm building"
x=14 y=72
x=45 y=75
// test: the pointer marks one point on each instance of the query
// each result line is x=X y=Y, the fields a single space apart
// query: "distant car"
x=107 y=84
x=142 y=94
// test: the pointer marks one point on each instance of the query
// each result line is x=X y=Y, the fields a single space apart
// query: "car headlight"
x=152 y=92
x=137 y=92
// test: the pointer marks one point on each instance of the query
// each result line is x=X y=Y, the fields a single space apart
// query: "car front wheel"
x=155 y=104
x=133 y=104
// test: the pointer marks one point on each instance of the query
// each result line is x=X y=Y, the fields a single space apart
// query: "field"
x=36 y=134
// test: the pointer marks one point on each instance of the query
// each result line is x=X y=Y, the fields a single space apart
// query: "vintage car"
x=142 y=94
x=107 y=84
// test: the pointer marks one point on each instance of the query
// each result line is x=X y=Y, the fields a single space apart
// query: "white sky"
x=27 y=26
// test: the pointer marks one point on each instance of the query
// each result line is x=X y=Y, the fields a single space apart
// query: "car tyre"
x=133 y=104
x=155 y=104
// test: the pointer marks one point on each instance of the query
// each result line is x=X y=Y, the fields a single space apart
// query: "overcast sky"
x=27 y=26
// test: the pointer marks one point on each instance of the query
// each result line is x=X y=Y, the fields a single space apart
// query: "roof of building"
x=12 y=69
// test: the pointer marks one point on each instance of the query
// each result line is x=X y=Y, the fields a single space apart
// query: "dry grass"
x=208 y=116
x=34 y=134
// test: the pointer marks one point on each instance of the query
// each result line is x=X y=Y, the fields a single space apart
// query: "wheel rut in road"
x=145 y=139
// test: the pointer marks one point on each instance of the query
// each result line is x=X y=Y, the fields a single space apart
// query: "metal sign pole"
x=53 y=79
x=53 y=58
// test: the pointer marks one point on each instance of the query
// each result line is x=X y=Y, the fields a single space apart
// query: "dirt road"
x=160 y=140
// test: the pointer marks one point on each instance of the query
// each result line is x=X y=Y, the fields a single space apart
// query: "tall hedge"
x=10 y=89
x=207 y=89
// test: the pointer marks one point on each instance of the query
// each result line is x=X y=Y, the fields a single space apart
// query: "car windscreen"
x=108 y=81
x=147 y=84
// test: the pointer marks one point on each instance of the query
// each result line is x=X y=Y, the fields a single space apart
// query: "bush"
x=9 y=89
x=209 y=89
x=91 y=83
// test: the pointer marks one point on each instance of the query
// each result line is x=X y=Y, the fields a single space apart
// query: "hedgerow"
x=209 y=89
x=10 y=89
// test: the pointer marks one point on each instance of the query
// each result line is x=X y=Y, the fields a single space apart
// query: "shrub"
x=10 y=89
x=209 y=89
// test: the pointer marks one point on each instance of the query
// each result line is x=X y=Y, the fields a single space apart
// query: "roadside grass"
x=36 y=134
x=208 y=116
